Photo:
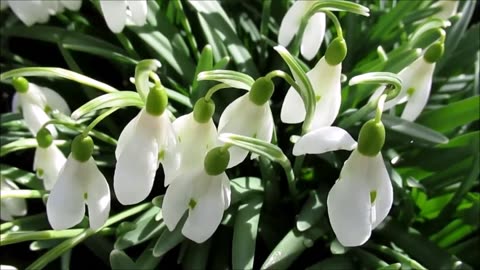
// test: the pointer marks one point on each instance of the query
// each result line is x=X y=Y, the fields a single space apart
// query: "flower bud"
x=20 y=84
x=371 y=138
x=434 y=52
x=262 y=91
x=203 y=110
x=44 y=138
x=336 y=51
x=82 y=148
x=216 y=161
x=157 y=100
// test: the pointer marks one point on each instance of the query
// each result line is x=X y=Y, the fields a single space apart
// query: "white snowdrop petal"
x=98 y=195
x=293 y=108
x=167 y=145
x=4 y=213
x=29 y=11
x=55 y=100
x=421 y=91
x=126 y=135
x=65 y=205
x=16 y=103
x=291 y=22
x=323 y=140
x=205 y=217
x=35 y=117
x=226 y=190
x=325 y=81
x=448 y=8
x=383 y=187
x=11 y=206
x=176 y=200
x=139 y=11
x=50 y=161
x=266 y=126
x=313 y=37
x=115 y=13
x=72 y=4
x=136 y=167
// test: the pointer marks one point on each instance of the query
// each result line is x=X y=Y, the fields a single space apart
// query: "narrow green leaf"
x=412 y=129
x=117 y=99
x=453 y=115
x=121 y=261
x=169 y=239
x=243 y=187
x=335 y=262
x=312 y=211
x=57 y=72
x=22 y=177
x=196 y=256
x=245 y=233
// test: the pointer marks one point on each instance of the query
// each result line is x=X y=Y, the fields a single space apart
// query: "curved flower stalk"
x=325 y=79
x=48 y=159
x=362 y=196
x=313 y=34
x=416 y=83
x=79 y=182
x=249 y=115
x=196 y=135
x=11 y=207
x=117 y=12
x=34 y=102
x=38 y=11
x=146 y=141
x=204 y=192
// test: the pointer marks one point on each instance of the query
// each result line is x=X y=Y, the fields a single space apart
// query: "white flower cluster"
x=357 y=203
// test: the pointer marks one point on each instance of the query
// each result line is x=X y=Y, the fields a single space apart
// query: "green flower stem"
x=127 y=45
x=18 y=237
x=57 y=72
x=68 y=244
x=22 y=193
x=33 y=219
x=266 y=10
x=98 y=120
x=154 y=77
x=212 y=90
x=97 y=134
x=188 y=29
x=336 y=23
x=380 y=105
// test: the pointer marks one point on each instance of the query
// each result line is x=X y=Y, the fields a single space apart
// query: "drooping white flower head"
x=448 y=8
x=194 y=141
x=79 y=183
x=7 y=267
x=146 y=141
x=362 y=196
x=117 y=12
x=11 y=207
x=39 y=11
x=34 y=101
x=205 y=194
x=314 y=32
x=325 y=80
x=48 y=160
x=416 y=85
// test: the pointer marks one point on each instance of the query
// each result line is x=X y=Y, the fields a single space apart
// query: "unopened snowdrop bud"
x=44 y=138
x=157 y=100
x=262 y=91
x=336 y=51
x=434 y=52
x=371 y=138
x=82 y=148
x=216 y=161
x=203 y=110
x=20 y=84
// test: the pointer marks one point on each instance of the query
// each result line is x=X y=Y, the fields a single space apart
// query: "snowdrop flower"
x=362 y=196
x=416 y=84
x=117 y=12
x=10 y=207
x=448 y=8
x=146 y=141
x=79 y=182
x=249 y=115
x=325 y=80
x=196 y=135
x=314 y=31
x=204 y=192
x=38 y=11
x=48 y=160
x=34 y=101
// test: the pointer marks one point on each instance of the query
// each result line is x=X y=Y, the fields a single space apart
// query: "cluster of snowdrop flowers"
x=39 y=11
